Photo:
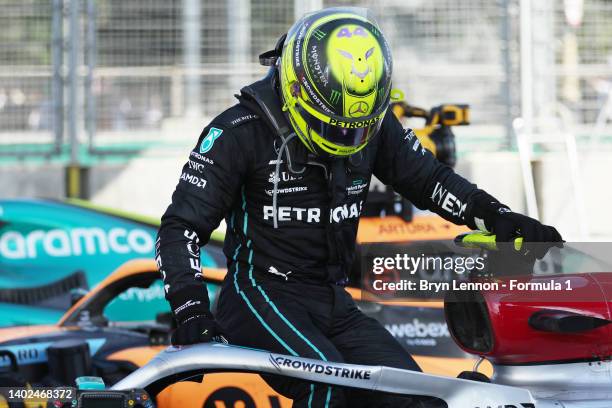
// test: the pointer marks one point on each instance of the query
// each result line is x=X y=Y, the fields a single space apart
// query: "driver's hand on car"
x=195 y=323
x=492 y=216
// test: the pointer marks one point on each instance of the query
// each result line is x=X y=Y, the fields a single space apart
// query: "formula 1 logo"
x=209 y=140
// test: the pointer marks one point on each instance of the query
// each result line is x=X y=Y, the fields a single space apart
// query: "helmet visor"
x=337 y=135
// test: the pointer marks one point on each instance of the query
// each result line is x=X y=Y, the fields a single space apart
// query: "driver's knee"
x=320 y=395
x=306 y=394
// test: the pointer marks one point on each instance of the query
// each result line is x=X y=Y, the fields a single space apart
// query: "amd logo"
x=191 y=179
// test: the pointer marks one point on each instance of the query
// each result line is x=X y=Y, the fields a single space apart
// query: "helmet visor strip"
x=342 y=136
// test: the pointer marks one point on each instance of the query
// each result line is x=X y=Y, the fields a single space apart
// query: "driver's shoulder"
x=236 y=119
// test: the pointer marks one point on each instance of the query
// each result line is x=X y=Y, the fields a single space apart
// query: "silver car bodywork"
x=455 y=392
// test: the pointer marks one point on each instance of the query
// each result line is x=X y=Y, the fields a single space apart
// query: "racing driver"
x=288 y=168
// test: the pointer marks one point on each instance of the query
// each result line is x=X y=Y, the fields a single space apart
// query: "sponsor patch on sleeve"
x=244 y=118
x=209 y=140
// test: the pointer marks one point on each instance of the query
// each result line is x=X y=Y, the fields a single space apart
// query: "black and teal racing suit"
x=291 y=229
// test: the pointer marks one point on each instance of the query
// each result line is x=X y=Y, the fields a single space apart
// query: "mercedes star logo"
x=359 y=108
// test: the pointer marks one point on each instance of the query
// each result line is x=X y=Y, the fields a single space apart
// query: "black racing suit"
x=283 y=291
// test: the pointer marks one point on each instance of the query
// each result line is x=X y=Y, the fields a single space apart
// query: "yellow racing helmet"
x=335 y=79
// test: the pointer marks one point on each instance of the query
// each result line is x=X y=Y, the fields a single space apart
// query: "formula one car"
x=50 y=251
x=92 y=339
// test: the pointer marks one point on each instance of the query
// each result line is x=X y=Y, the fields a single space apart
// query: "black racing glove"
x=195 y=323
x=488 y=214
